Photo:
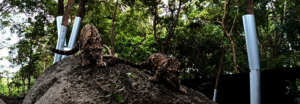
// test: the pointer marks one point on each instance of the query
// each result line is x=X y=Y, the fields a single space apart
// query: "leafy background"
x=196 y=37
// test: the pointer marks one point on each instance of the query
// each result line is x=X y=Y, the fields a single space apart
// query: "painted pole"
x=253 y=58
x=58 y=23
x=63 y=29
x=61 y=40
x=215 y=95
x=74 y=35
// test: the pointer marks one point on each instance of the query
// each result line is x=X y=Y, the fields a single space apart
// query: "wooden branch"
x=154 y=12
x=67 y=13
x=81 y=9
x=171 y=31
x=284 y=19
x=112 y=29
x=60 y=9
x=224 y=21
x=249 y=7
x=275 y=30
x=263 y=44
x=221 y=63
x=237 y=13
x=298 y=18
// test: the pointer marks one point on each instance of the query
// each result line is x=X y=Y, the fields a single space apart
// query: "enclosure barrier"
x=73 y=36
x=253 y=58
x=58 y=23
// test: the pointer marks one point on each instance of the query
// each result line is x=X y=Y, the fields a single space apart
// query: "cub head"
x=174 y=69
x=96 y=49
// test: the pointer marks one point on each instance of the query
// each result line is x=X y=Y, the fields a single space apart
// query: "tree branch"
x=112 y=30
x=67 y=13
x=171 y=32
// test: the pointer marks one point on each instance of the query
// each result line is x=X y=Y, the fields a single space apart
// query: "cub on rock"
x=160 y=64
x=89 y=43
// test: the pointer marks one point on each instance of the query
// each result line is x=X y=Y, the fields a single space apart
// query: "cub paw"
x=102 y=64
x=153 y=79
x=85 y=62
x=183 y=90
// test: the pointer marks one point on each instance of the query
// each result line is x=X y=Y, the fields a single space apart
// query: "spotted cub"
x=159 y=64
x=89 y=43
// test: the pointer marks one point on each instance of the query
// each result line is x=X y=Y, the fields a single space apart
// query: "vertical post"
x=74 y=33
x=79 y=16
x=253 y=58
x=60 y=11
x=215 y=95
x=60 y=42
x=63 y=29
x=58 y=23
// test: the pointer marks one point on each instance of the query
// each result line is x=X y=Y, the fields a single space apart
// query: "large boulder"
x=69 y=82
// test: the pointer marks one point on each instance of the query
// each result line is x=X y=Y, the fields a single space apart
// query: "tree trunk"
x=60 y=9
x=30 y=72
x=263 y=45
x=283 y=21
x=234 y=57
x=112 y=29
x=172 y=29
x=249 y=7
x=224 y=24
x=81 y=9
x=221 y=63
x=23 y=87
x=28 y=85
x=275 y=36
x=154 y=12
x=67 y=13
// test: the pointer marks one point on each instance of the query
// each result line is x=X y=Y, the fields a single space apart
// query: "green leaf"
x=132 y=75
x=119 y=98
x=108 y=95
x=112 y=84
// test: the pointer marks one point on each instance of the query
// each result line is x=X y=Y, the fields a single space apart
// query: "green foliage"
x=112 y=84
x=119 y=98
x=130 y=74
x=196 y=40
x=294 y=88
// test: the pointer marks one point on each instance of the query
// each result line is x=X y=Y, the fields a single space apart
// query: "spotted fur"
x=89 y=43
x=160 y=64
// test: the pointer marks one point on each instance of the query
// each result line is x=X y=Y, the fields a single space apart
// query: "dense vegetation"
x=196 y=32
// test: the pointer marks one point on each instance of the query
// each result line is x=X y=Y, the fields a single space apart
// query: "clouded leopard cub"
x=160 y=64
x=89 y=43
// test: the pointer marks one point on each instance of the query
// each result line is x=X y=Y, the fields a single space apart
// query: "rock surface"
x=67 y=82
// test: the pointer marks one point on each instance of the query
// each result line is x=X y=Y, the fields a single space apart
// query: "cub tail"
x=62 y=52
